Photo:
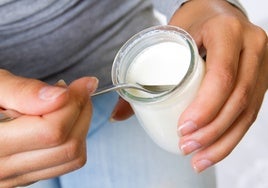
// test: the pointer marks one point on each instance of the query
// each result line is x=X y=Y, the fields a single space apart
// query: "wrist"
x=234 y=3
x=193 y=11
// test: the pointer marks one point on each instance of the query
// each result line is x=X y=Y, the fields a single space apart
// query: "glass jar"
x=160 y=55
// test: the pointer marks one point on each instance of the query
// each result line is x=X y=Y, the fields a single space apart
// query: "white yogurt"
x=163 y=62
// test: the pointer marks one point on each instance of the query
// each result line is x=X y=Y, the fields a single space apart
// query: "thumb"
x=122 y=110
x=29 y=96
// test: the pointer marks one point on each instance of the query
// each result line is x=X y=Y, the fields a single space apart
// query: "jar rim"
x=139 y=38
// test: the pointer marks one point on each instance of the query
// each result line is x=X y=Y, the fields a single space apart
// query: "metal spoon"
x=152 y=89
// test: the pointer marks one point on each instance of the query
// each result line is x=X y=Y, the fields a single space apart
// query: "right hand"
x=49 y=139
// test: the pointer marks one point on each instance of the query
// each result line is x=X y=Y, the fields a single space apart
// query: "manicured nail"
x=92 y=85
x=186 y=128
x=201 y=165
x=189 y=147
x=49 y=93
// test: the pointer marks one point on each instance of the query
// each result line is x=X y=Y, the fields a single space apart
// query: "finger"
x=48 y=130
x=223 y=51
x=229 y=140
x=122 y=110
x=72 y=150
x=22 y=95
x=43 y=174
x=8 y=114
x=250 y=63
x=79 y=92
x=238 y=101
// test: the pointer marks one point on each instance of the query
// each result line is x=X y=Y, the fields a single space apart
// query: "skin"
x=45 y=140
x=57 y=126
x=234 y=85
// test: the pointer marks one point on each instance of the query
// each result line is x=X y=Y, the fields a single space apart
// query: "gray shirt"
x=66 y=39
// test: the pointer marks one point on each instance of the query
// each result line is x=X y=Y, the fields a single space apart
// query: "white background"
x=247 y=165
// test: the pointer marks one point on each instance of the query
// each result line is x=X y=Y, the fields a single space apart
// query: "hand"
x=49 y=139
x=234 y=85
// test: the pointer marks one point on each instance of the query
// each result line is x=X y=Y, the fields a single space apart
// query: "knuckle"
x=53 y=135
x=81 y=161
x=226 y=77
x=261 y=39
x=73 y=150
x=251 y=116
x=244 y=94
x=234 y=23
x=229 y=23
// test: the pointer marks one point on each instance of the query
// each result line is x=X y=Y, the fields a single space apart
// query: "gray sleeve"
x=237 y=4
x=168 y=7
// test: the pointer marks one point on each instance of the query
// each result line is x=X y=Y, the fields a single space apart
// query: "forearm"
x=235 y=3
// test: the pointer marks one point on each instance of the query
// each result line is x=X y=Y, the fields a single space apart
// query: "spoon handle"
x=123 y=86
x=110 y=88
x=153 y=89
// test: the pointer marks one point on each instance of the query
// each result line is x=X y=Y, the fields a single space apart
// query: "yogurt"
x=165 y=63
x=160 y=55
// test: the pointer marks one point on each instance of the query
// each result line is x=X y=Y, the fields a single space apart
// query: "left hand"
x=234 y=85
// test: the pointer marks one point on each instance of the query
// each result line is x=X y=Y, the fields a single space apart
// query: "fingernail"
x=201 y=165
x=49 y=93
x=92 y=85
x=61 y=83
x=112 y=119
x=189 y=147
x=2 y=115
x=186 y=128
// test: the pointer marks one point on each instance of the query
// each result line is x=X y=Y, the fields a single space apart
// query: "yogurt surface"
x=160 y=64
